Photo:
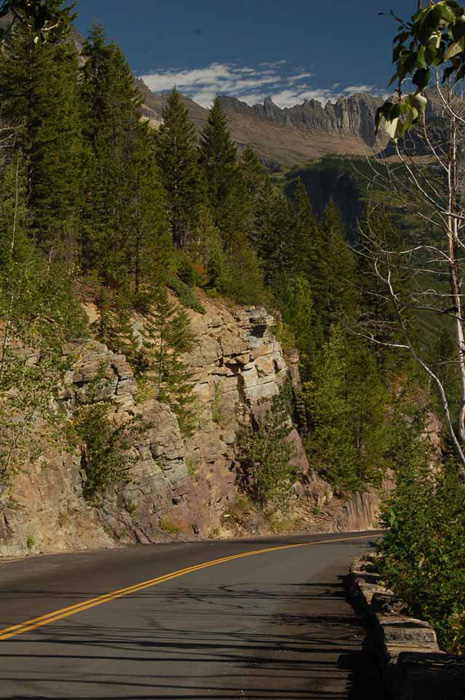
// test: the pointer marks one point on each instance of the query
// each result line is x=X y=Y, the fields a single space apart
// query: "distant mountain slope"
x=283 y=137
x=290 y=135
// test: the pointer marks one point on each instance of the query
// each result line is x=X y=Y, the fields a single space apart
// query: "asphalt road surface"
x=196 y=620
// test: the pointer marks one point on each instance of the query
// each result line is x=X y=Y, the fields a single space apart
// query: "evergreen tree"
x=39 y=95
x=255 y=180
x=294 y=298
x=367 y=399
x=331 y=447
x=334 y=279
x=241 y=277
x=150 y=241
x=176 y=155
x=111 y=116
x=253 y=171
x=305 y=257
x=275 y=229
x=168 y=338
x=207 y=241
x=266 y=457
x=218 y=158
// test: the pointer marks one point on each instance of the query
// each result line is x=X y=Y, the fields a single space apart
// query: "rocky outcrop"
x=348 y=116
x=177 y=486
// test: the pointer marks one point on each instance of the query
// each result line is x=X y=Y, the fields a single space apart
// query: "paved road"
x=269 y=625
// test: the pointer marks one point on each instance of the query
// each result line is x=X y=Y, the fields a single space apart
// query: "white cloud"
x=251 y=84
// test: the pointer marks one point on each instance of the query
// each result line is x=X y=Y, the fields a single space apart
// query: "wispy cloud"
x=286 y=85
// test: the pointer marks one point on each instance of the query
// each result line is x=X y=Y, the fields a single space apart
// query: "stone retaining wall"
x=412 y=665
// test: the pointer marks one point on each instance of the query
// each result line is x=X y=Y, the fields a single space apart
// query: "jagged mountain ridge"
x=287 y=136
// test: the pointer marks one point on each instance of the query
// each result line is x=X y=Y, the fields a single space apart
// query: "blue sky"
x=290 y=50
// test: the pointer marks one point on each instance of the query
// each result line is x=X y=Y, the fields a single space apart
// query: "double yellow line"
x=63 y=613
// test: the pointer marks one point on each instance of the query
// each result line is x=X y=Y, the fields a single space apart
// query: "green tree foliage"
x=38 y=313
x=149 y=243
x=240 y=277
x=335 y=290
x=294 y=298
x=422 y=556
x=104 y=447
x=40 y=97
x=167 y=338
x=275 y=235
x=177 y=160
x=206 y=241
x=331 y=447
x=265 y=455
x=346 y=407
x=111 y=116
x=433 y=38
x=227 y=186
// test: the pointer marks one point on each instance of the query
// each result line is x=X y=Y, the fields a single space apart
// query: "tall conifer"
x=218 y=158
x=111 y=116
x=176 y=155
x=39 y=96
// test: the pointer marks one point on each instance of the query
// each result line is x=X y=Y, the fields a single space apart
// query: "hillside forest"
x=95 y=204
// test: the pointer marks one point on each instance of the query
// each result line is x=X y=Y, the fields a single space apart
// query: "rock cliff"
x=177 y=486
x=352 y=116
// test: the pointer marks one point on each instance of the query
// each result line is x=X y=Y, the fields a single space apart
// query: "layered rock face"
x=177 y=486
x=348 y=116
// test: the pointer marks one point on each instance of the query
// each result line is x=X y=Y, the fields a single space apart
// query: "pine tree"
x=241 y=278
x=207 y=241
x=176 y=155
x=150 y=241
x=275 y=230
x=168 y=338
x=111 y=105
x=255 y=180
x=253 y=171
x=39 y=95
x=218 y=159
x=331 y=447
x=367 y=399
x=304 y=232
x=334 y=277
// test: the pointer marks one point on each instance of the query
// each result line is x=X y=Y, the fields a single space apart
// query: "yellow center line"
x=61 y=614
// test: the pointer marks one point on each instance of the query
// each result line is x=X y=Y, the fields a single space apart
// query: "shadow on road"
x=316 y=650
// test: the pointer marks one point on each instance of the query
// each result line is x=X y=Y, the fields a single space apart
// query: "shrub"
x=104 y=450
x=422 y=556
x=186 y=295
x=169 y=527
x=265 y=456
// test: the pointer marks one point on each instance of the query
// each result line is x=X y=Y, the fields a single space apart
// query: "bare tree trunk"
x=455 y=281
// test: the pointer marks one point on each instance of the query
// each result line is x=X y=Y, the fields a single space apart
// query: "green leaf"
x=397 y=52
x=430 y=53
x=458 y=30
x=421 y=60
x=441 y=14
x=421 y=78
x=421 y=16
x=454 y=49
x=417 y=101
x=400 y=38
x=391 y=127
x=410 y=61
